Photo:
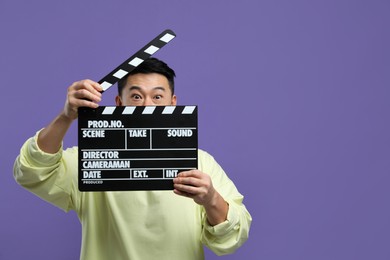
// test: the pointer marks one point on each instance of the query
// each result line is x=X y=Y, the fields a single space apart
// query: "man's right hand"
x=84 y=93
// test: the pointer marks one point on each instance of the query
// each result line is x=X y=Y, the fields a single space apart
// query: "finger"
x=181 y=193
x=191 y=173
x=93 y=87
x=188 y=181
x=84 y=103
x=81 y=98
x=86 y=94
x=96 y=86
x=185 y=189
x=89 y=86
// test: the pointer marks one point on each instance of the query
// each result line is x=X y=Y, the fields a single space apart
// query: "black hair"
x=151 y=65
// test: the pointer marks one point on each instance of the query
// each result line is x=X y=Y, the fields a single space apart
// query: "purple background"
x=293 y=99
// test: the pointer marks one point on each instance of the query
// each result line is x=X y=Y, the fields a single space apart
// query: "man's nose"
x=148 y=102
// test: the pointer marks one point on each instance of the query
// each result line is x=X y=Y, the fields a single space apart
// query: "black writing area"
x=135 y=148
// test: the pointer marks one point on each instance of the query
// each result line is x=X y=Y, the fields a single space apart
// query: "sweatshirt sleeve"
x=227 y=236
x=47 y=175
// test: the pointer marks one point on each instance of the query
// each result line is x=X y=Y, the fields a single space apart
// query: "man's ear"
x=174 y=100
x=118 y=101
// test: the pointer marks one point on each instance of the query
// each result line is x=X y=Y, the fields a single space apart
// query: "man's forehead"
x=150 y=78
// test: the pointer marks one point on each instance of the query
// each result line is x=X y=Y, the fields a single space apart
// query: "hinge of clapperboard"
x=131 y=63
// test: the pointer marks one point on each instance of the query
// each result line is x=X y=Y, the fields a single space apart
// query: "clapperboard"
x=135 y=148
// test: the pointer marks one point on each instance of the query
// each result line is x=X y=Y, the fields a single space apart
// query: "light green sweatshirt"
x=134 y=225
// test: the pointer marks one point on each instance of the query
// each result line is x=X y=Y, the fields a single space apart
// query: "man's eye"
x=158 y=97
x=135 y=96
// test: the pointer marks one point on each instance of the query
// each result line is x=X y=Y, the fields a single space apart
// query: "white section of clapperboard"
x=152 y=49
x=167 y=37
x=188 y=110
x=168 y=110
x=120 y=73
x=105 y=85
x=150 y=139
x=148 y=110
x=108 y=110
x=136 y=61
x=128 y=111
x=126 y=142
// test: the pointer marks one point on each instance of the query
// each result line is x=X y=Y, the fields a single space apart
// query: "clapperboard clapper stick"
x=135 y=148
x=131 y=63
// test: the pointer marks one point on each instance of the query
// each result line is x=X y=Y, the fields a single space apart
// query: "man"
x=204 y=208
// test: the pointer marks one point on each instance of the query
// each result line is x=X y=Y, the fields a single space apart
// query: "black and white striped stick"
x=131 y=63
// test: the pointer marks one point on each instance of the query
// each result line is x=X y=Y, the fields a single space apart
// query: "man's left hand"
x=198 y=186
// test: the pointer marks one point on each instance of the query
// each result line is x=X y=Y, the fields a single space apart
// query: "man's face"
x=146 y=90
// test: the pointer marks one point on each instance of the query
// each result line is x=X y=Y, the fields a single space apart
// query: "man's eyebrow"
x=134 y=88
x=159 y=88
x=140 y=89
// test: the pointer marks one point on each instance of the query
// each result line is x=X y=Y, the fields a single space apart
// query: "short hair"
x=151 y=65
